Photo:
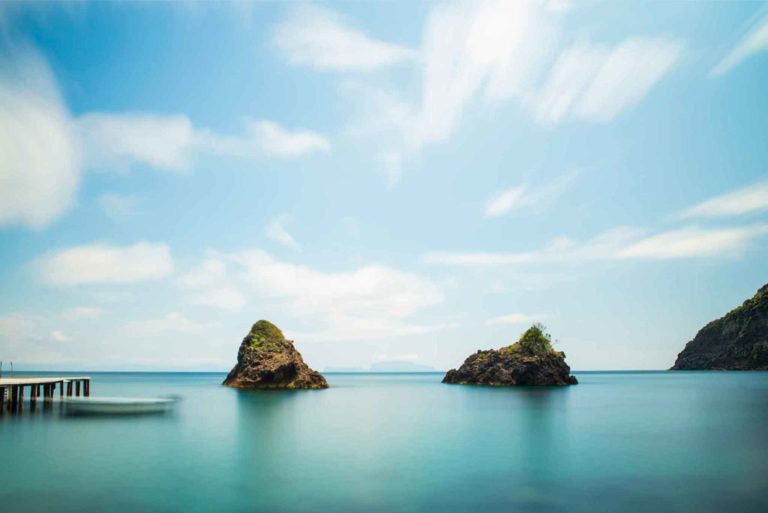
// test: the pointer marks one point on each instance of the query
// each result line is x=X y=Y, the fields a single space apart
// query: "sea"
x=619 y=442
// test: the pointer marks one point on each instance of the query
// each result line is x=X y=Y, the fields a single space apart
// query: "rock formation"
x=737 y=341
x=267 y=360
x=529 y=361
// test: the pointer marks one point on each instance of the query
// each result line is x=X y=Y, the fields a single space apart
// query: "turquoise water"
x=618 y=442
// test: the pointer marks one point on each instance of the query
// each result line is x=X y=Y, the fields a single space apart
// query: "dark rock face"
x=520 y=364
x=737 y=341
x=267 y=360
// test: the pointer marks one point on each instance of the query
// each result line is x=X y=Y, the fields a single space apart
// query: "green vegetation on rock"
x=266 y=336
x=534 y=341
x=736 y=341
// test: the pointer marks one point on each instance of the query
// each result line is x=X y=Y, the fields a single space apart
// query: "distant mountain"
x=344 y=369
x=737 y=341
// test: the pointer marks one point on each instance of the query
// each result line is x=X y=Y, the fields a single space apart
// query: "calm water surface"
x=618 y=442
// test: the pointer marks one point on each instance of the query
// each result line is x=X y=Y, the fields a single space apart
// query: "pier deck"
x=12 y=390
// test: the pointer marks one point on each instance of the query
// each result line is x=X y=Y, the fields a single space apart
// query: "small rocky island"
x=266 y=360
x=529 y=361
x=737 y=341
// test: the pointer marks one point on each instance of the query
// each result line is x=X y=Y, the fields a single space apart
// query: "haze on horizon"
x=385 y=182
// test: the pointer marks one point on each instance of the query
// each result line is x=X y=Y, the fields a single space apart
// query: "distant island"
x=529 y=361
x=737 y=341
x=266 y=360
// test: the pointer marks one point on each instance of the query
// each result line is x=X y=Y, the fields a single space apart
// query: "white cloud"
x=276 y=141
x=694 y=242
x=173 y=143
x=103 y=263
x=752 y=43
x=495 y=46
x=174 y=322
x=209 y=285
x=277 y=232
x=44 y=149
x=116 y=140
x=324 y=40
x=751 y=199
x=365 y=303
x=505 y=201
x=515 y=318
x=597 y=83
x=59 y=336
x=39 y=168
x=619 y=243
x=117 y=206
x=499 y=51
x=84 y=312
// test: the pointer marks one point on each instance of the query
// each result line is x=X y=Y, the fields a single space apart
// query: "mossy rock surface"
x=267 y=360
x=265 y=336
x=736 y=341
x=531 y=361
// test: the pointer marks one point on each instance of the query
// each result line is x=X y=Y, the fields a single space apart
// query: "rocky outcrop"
x=529 y=361
x=737 y=341
x=267 y=360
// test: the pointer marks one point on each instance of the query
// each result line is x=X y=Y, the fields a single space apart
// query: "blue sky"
x=391 y=181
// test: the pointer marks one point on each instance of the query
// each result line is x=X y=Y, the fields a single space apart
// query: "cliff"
x=267 y=360
x=529 y=361
x=737 y=341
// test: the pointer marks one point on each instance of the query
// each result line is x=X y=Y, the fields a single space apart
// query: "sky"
x=385 y=181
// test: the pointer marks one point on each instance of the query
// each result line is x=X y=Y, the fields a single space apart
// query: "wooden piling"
x=61 y=389
x=69 y=389
x=21 y=397
x=77 y=388
x=87 y=387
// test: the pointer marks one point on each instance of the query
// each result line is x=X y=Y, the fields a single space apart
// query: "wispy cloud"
x=524 y=196
x=173 y=143
x=104 y=263
x=500 y=51
x=596 y=83
x=277 y=232
x=496 y=47
x=39 y=168
x=325 y=40
x=617 y=244
x=694 y=242
x=753 y=42
x=751 y=199
x=505 y=201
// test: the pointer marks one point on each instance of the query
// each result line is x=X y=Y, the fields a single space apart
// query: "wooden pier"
x=12 y=390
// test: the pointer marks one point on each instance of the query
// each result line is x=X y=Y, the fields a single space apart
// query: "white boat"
x=117 y=405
